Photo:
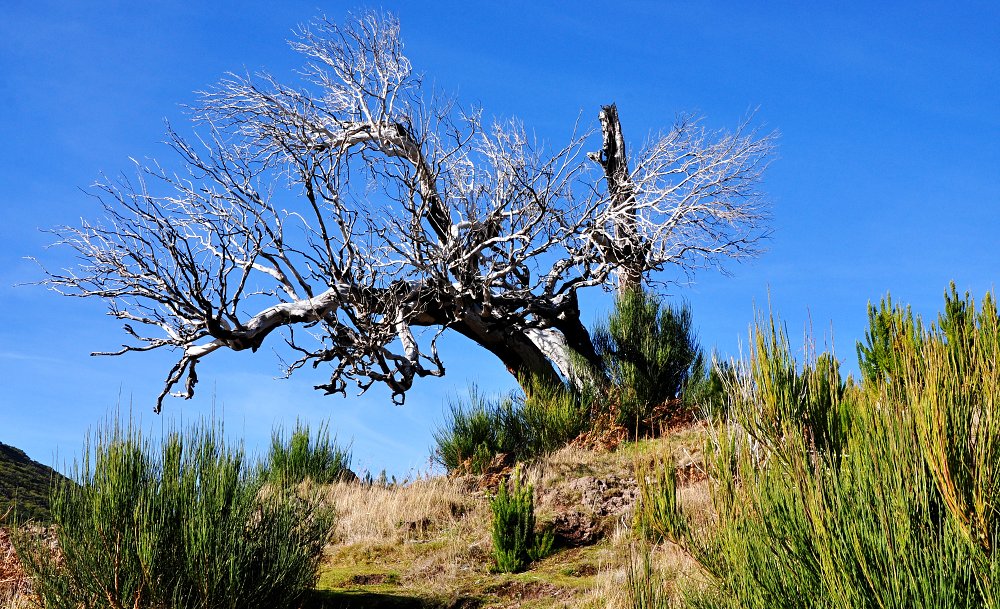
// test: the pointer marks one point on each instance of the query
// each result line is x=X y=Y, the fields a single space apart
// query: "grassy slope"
x=426 y=544
x=24 y=485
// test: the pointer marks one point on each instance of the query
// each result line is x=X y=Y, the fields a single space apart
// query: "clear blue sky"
x=887 y=178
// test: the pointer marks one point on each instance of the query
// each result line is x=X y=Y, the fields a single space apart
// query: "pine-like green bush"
x=188 y=522
x=515 y=542
x=649 y=349
x=892 y=332
x=305 y=455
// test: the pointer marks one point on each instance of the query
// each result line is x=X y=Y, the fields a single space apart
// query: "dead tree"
x=366 y=215
x=627 y=253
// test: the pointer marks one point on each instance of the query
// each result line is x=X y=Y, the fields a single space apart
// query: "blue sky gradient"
x=887 y=176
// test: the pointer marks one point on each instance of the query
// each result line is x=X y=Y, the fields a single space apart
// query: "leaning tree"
x=364 y=215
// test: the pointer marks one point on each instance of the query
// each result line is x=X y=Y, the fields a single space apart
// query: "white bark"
x=349 y=215
x=553 y=345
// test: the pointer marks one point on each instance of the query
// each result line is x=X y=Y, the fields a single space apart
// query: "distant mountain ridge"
x=24 y=486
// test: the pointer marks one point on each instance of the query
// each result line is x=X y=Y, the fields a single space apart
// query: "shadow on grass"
x=362 y=599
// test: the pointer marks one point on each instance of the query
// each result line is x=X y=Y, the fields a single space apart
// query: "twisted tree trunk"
x=543 y=352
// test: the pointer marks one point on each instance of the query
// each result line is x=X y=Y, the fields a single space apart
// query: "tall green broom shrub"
x=658 y=515
x=644 y=587
x=883 y=494
x=186 y=523
x=551 y=414
x=475 y=431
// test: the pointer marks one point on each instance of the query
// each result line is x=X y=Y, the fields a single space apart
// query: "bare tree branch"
x=363 y=215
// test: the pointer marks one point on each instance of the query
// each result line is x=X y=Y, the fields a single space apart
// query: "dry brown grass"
x=673 y=567
x=13 y=600
x=427 y=535
x=402 y=513
x=14 y=584
x=430 y=538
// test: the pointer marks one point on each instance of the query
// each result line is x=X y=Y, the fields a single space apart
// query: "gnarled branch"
x=365 y=217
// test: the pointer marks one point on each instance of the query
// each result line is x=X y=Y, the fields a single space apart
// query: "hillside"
x=24 y=485
x=428 y=544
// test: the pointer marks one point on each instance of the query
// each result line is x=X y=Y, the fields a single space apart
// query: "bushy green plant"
x=551 y=415
x=883 y=494
x=892 y=332
x=479 y=432
x=775 y=400
x=303 y=455
x=658 y=515
x=516 y=544
x=649 y=348
x=475 y=431
x=186 y=523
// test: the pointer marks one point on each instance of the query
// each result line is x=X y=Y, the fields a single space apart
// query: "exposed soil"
x=516 y=590
x=12 y=577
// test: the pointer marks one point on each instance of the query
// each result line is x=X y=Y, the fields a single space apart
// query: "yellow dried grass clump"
x=400 y=513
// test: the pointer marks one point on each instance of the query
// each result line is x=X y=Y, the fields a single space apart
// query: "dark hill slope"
x=24 y=484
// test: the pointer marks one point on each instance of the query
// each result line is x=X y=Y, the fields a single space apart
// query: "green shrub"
x=186 y=523
x=551 y=416
x=649 y=349
x=306 y=456
x=658 y=515
x=479 y=432
x=515 y=542
x=883 y=494
x=892 y=332
x=475 y=432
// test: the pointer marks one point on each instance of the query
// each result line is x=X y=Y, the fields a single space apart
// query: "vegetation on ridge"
x=651 y=359
x=24 y=486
